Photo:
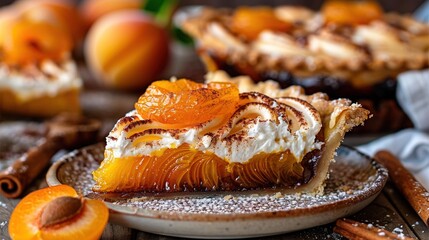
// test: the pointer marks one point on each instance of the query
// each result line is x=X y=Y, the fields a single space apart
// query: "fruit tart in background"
x=38 y=77
x=348 y=49
x=187 y=136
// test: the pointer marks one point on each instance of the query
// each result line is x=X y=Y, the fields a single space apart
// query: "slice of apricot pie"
x=187 y=136
x=38 y=77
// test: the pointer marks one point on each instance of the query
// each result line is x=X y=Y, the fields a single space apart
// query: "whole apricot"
x=126 y=50
x=94 y=9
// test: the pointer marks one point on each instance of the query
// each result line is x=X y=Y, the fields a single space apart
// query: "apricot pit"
x=59 y=210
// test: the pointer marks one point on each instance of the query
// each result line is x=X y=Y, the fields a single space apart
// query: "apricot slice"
x=58 y=213
x=186 y=103
x=351 y=12
x=250 y=22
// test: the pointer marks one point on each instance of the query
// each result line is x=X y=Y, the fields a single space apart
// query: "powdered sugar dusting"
x=353 y=177
x=16 y=138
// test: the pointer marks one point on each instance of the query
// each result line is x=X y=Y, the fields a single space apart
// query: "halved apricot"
x=187 y=103
x=250 y=22
x=58 y=213
x=351 y=12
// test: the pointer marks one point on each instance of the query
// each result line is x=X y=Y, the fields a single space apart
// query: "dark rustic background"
x=389 y=5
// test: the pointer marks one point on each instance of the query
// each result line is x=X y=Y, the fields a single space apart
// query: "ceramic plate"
x=355 y=180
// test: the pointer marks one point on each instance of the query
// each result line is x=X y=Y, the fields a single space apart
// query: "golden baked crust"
x=362 y=54
x=338 y=117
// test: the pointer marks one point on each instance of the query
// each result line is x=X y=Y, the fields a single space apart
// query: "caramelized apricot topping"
x=33 y=31
x=351 y=12
x=63 y=13
x=186 y=103
x=250 y=22
x=30 y=41
x=58 y=213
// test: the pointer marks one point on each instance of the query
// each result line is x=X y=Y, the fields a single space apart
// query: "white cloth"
x=411 y=146
x=413 y=96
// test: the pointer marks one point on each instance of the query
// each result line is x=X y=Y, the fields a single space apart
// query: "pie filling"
x=187 y=169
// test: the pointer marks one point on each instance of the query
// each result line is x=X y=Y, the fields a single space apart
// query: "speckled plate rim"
x=378 y=182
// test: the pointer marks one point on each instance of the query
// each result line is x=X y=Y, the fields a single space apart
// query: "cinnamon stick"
x=65 y=131
x=15 y=179
x=411 y=189
x=355 y=231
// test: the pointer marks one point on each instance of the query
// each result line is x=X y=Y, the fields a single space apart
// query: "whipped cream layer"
x=32 y=81
x=260 y=125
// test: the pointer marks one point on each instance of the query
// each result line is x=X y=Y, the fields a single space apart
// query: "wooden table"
x=389 y=210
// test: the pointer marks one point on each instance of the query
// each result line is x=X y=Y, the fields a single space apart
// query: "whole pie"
x=347 y=49
x=187 y=136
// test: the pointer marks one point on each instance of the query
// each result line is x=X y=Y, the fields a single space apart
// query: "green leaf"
x=162 y=10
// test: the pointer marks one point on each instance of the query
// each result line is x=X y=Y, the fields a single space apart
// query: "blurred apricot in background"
x=62 y=12
x=94 y=9
x=351 y=12
x=126 y=50
x=32 y=31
